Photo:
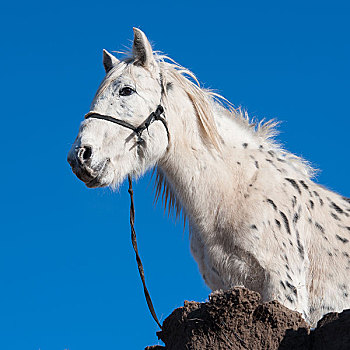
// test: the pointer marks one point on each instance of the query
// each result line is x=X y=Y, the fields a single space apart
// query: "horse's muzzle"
x=79 y=159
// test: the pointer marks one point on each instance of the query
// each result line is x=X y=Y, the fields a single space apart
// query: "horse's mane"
x=203 y=101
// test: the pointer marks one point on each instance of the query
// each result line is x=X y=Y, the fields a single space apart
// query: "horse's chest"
x=220 y=266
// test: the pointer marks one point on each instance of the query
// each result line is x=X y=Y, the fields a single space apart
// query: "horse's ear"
x=109 y=61
x=142 y=49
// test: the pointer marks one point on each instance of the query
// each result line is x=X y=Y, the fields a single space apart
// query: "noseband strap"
x=138 y=130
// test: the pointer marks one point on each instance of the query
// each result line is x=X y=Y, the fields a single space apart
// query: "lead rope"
x=156 y=115
x=138 y=259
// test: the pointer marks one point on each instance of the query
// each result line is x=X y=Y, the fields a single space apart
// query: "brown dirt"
x=237 y=319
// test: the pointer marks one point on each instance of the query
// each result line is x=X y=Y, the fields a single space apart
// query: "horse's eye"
x=126 y=91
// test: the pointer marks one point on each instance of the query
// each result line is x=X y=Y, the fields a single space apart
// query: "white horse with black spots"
x=256 y=218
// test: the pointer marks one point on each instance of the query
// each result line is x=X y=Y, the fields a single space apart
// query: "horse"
x=256 y=217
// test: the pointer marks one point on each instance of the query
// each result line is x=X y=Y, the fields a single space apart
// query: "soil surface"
x=237 y=319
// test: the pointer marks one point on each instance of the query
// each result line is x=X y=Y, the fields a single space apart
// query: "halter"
x=138 y=130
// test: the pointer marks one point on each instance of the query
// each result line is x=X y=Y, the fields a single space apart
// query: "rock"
x=333 y=332
x=237 y=319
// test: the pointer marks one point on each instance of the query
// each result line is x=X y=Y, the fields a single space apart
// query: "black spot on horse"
x=245 y=145
x=272 y=203
x=335 y=216
x=327 y=308
x=312 y=309
x=342 y=239
x=337 y=208
x=304 y=184
x=290 y=299
x=299 y=210
x=294 y=184
x=282 y=284
x=253 y=227
x=300 y=246
x=312 y=204
x=295 y=218
x=257 y=164
x=318 y=226
x=169 y=86
x=292 y=288
x=319 y=198
x=286 y=222
x=271 y=153
x=294 y=201
x=346 y=199
x=342 y=286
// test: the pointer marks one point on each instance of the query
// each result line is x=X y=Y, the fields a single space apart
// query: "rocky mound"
x=237 y=319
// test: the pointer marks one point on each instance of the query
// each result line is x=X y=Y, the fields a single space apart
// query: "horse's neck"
x=200 y=175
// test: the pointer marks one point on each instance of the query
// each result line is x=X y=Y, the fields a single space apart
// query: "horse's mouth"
x=92 y=178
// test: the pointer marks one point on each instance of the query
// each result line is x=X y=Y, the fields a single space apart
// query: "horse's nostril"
x=84 y=153
x=87 y=152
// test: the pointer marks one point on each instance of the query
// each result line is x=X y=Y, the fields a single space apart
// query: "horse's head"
x=104 y=153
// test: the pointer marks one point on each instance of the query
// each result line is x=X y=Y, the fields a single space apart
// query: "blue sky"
x=68 y=277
